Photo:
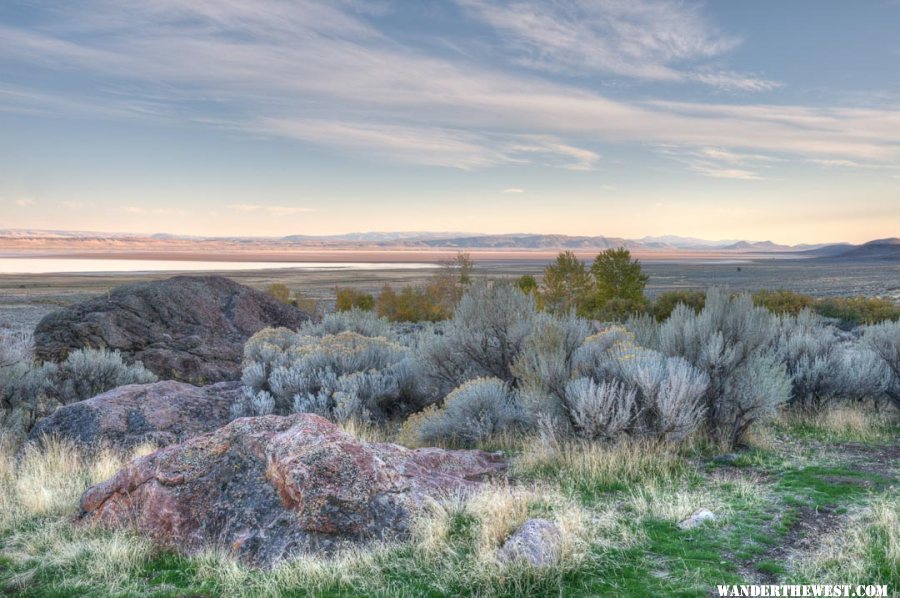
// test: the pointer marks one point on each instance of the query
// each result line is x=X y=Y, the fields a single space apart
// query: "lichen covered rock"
x=267 y=488
x=162 y=413
x=188 y=328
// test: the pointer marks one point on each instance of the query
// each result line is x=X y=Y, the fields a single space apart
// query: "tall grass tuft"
x=589 y=469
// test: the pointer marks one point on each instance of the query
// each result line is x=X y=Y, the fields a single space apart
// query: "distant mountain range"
x=879 y=249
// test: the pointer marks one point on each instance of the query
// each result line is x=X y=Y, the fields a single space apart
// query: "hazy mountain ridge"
x=431 y=240
x=876 y=250
x=45 y=241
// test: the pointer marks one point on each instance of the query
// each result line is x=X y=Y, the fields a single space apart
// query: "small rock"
x=697 y=518
x=536 y=542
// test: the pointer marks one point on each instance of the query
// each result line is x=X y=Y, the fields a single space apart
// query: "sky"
x=762 y=120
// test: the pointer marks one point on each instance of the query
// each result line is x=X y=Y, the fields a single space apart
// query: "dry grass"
x=669 y=503
x=587 y=467
x=850 y=422
x=314 y=575
x=603 y=498
x=366 y=432
x=48 y=479
x=866 y=550
x=102 y=558
x=497 y=512
x=39 y=494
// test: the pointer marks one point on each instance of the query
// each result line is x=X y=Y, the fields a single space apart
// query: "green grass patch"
x=824 y=486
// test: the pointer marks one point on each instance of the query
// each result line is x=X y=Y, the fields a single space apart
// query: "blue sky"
x=761 y=120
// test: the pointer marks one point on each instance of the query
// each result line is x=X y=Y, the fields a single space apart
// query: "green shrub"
x=280 y=292
x=854 y=311
x=308 y=304
x=619 y=310
x=411 y=304
x=347 y=299
x=666 y=302
x=783 y=302
x=527 y=284
x=432 y=302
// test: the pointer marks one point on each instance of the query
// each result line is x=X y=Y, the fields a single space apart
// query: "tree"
x=448 y=285
x=566 y=284
x=617 y=276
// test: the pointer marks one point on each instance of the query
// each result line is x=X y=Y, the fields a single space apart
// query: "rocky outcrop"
x=189 y=328
x=162 y=413
x=267 y=488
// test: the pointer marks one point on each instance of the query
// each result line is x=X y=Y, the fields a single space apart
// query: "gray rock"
x=162 y=413
x=189 y=328
x=536 y=542
x=698 y=517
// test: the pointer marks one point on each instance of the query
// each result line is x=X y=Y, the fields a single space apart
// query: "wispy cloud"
x=23 y=203
x=639 y=39
x=718 y=162
x=269 y=209
x=514 y=190
x=332 y=78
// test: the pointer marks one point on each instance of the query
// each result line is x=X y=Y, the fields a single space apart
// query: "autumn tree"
x=567 y=284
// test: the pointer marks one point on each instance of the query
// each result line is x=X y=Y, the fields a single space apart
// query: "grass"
x=591 y=471
x=618 y=507
x=865 y=548
x=842 y=424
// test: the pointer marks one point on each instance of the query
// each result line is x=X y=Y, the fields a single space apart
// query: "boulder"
x=268 y=488
x=162 y=413
x=698 y=517
x=536 y=543
x=189 y=328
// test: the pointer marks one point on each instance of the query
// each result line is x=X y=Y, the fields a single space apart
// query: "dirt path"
x=811 y=524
